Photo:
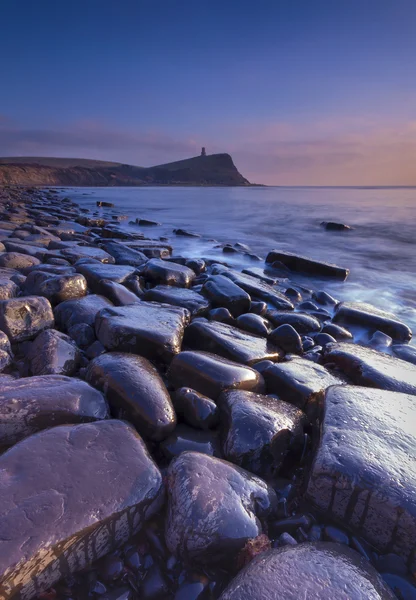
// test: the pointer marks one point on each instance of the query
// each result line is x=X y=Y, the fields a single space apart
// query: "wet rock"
x=53 y=353
x=307 y=343
x=123 y=255
x=52 y=269
x=192 y=590
x=363 y=473
x=197 y=265
x=379 y=341
x=96 y=349
x=82 y=310
x=333 y=534
x=6 y=354
x=366 y=315
x=102 y=204
x=301 y=322
x=303 y=264
x=74 y=253
x=403 y=587
x=322 y=339
x=167 y=273
x=253 y=324
x=258 y=430
x=189 y=299
x=331 y=226
x=371 y=368
x=229 y=342
x=222 y=315
x=94 y=273
x=62 y=287
x=260 y=274
x=316 y=571
x=185 y=233
x=8 y=289
x=287 y=338
x=135 y=391
x=222 y=292
x=154 y=585
x=195 y=409
x=405 y=352
x=185 y=438
x=31 y=404
x=209 y=374
x=299 y=382
x=208 y=536
x=258 y=308
x=146 y=222
x=148 y=328
x=15 y=260
x=324 y=298
x=82 y=334
x=47 y=521
x=22 y=318
x=337 y=332
x=259 y=289
x=117 y=293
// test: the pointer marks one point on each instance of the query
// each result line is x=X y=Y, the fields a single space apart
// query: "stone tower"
x=203 y=153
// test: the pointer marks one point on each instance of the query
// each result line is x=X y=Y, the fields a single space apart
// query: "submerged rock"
x=222 y=292
x=364 y=470
x=366 y=315
x=303 y=264
x=80 y=311
x=192 y=301
x=167 y=273
x=53 y=353
x=22 y=318
x=135 y=391
x=316 y=571
x=196 y=409
x=71 y=494
x=214 y=508
x=31 y=404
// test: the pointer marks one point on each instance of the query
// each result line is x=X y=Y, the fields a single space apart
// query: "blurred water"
x=380 y=251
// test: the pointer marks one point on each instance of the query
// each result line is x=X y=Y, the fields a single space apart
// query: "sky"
x=299 y=92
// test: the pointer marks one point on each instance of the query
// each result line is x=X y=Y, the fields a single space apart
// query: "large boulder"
x=31 y=404
x=209 y=374
x=167 y=273
x=374 y=319
x=214 y=508
x=135 y=391
x=302 y=264
x=223 y=292
x=23 y=318
x=148 y=328
x=192 y=301
x=53 y=353
x=319 y=571
x=364 y=470
x=82 y=310
x=69 y=495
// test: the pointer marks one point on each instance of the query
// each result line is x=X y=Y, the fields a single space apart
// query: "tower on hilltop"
x=203 y=152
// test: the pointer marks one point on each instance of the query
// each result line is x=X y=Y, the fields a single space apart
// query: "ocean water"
x=380 y=251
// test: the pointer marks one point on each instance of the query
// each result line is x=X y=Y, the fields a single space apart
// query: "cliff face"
x=216 y=169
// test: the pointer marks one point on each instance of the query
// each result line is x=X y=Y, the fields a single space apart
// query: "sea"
x=379 y=250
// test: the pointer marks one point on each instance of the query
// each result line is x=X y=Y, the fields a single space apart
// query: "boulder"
x=82 y=310
x=74 y=253
x=214 y=508
x=258 y=431
x=148 y=328
x=253 y=324
x=301 y=322
x=185 y=438
x=192 y=301
x=62 y=287
x=8 y=289
x=374 y=319
x=259 y=289
x=222 y=292
x=209 y=374
x=368 y=367
x=302 y=264
x=195 y=409
x=53 y=353
x=15 y=260
x=22 y=318
x=313 y=571
x=135 y=392
x=31 y=404
x=94 y=273
x=337 y=332
x=363 y=474
x=117 y=293
x=71 y=494
x=287 y=338
x=123 y=255
x=159 y=271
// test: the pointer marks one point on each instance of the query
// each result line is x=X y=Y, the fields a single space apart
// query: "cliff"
x=215 y=169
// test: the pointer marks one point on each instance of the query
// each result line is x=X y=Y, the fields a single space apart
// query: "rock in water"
x=69 y=495
x=364 y=470
x=31 y=404
x=259 y=289
x=22 y=318
x=361 y=313
x=303 y=264
x=148 y=328
x=224 y=293
x=214 y=508
x=134 y=387
x=318 y=571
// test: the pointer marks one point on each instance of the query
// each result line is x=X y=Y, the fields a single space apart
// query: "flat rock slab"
x=31 y=404
x=366 y=315
x=223 y=292
x=192 y=301
x=71 y=494
x=364 y=472
x=210 y=374
x=259 y=430
x=167 y=273
x=53 y=353
x=259 y=289
x=300 y=382
x=94 y=273
x=136 y=391
x=148 y=328
x=74 y=253
x=302 y=264
x=123 y=255
x=371 y=368
x=82 y=310
x=313 y=571
x=214 y=507
x=22 y=318
x=230 y=342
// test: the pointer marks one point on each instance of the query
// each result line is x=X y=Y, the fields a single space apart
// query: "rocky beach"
x=175 y=427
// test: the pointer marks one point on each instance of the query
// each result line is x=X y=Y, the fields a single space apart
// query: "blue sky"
x=298 y=91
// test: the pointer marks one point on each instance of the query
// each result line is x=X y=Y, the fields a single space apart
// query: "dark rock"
x=203 y=494
x=258 y=308
x=299 y=382
x=290 y=525
x=253 y=324
x=6 y=354
x=82 y=310
x=123 y=255
x=403 y=587
x=322 y=315
x=363 y=473
x=8 y=289
x=82 y=334
x=316 y=571
x=331 y=226
x=154 y=585
x=303 y=264
x=301 y=322
x=62 y=287
x=102 y=204
x=136 y=391
x=371 y=368
x=197 y=410
x=189 y=299
x=337 y=332
x=405 y=352
x=209 y=374
x=258 y=430
x=148 y=328
x=53 y=353
x=307 y=343
x=94 y=273
x=185 y=233
x=366 y=315
x=15 y=260
x=74 y=253
x=260 y=274
x=110 y=568
x=324 y=298
x=333 y=534
x=146 y=222
x=379 y=341
x=391 y=563
x=285 y=539
x=185 y=438
x=322 y=339
x=222 y=292
x=52 y=269
x=287 y=338
x=222 y=315
x=96 y=349
x=197 y=265
x=308 y=305
x=22 y=318
x=259 y=289
x=229 y=342
x=192 y=590
x=293 y=294
x=47 y=520
x=167 y=273
x=117 y=293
